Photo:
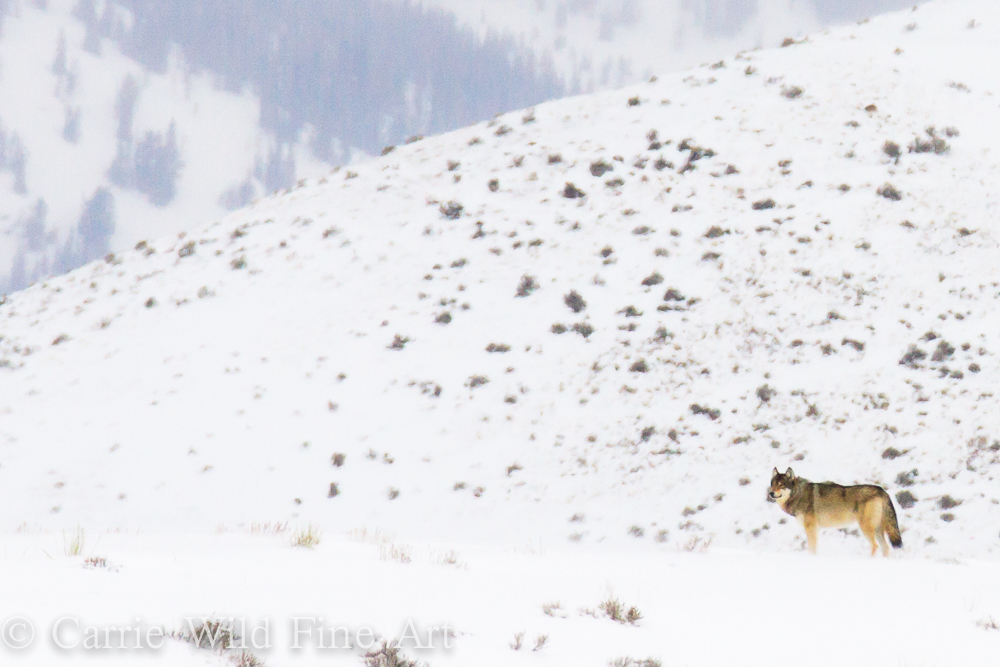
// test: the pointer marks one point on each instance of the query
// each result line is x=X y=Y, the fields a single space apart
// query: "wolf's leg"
x=880 y=536
x=865 y=523
x=877 y=518
x=810 y=526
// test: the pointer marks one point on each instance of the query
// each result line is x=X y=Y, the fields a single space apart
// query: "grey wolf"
x=830 y=505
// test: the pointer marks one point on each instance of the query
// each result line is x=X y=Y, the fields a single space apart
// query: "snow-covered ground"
x=722 y=607
x=749 y=279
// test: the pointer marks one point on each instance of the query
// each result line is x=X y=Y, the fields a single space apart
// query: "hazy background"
x=600 y=43
x=129 y=119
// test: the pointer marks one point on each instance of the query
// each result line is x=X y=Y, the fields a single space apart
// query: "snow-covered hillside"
x=125 y=119
x=598 y=44
x=58 y=98
x=591 y=328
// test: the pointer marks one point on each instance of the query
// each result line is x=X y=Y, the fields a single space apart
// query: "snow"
x=218 y=132
x=192 y=438
x=607 y=43
x=721 y=607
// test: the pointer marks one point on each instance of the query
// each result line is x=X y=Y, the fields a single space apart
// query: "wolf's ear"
x=790 y=474
x=774 y=473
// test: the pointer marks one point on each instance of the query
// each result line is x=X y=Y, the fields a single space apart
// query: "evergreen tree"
x=59 y=64
x=157 y=165
x=95 y=228
x=348 y=68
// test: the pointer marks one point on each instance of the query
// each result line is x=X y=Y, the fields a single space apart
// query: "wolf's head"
x=781 y=486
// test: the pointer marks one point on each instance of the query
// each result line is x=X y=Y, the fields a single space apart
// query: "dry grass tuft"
x=245 y=659
x=397 y=552
x=307 y=537
x=73 y=544
x=366 y=536
x=553 y=609
x=634 y=662
x=212 y=634
x=387 y=655
x=614 y=609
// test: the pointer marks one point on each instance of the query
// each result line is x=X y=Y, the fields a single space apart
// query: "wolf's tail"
x=890 y=525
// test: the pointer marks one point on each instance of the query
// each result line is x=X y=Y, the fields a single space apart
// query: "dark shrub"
x=599 y=168
x=574 y=301
x=912 y=356
x=943 y=351
x=652 y=280
x=857 y=345
x=527 y=286
x=890 y=192
x=906 y=499
x=891 y=149
x=711 y=413
x=453 y=211
x=639 y=367
x=933 y=144
x=947 y=502
x=673 y=295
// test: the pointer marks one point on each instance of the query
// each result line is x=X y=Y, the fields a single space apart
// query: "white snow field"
x=761 y=283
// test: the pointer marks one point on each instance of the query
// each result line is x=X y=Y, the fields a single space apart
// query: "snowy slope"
x=604 y=43
x=245 y=375
x=204 y=382
x=612 y=43
x=219 y=140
